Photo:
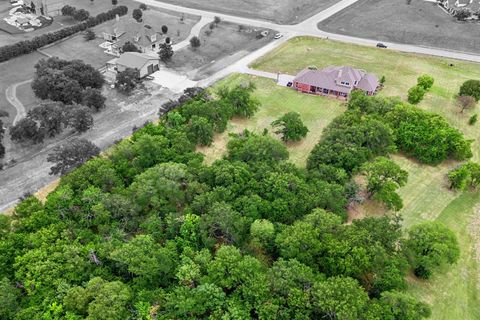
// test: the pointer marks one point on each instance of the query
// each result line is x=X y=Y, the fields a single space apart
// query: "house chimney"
x=117 y=17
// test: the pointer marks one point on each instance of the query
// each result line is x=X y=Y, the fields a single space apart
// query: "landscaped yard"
x=179 y=24
x=275 y=100
x=453 y=294
x=225 y=45
x=279 y=11
x=420 y=23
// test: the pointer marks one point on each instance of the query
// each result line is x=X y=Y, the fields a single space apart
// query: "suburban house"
x=127 y=29
x=144 y=63
x=453 y=6
x=335 y=81
x=45 y=7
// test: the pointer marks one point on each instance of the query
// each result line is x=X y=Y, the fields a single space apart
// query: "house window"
x=347 y=83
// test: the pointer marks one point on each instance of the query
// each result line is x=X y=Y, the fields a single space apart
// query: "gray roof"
x=331 y=78
x=134 y=60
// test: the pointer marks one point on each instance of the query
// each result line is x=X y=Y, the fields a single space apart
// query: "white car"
x=278 y=36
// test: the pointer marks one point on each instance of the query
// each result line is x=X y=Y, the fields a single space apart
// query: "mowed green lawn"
x=454 y=293
x=275 y=101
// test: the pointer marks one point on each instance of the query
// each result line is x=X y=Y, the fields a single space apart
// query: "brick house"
x=127 y=29
x=335 y=81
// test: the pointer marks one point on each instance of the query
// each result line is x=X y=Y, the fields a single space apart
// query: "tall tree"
x=70 y=155
x=166 y=52
x=431 y=245
x=290 y=127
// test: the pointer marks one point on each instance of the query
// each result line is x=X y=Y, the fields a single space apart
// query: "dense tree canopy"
x=290 y=127
x=149 y=231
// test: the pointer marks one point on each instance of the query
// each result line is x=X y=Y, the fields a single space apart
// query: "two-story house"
x=126 y=29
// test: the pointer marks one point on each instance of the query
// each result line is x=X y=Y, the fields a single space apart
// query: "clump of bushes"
x=416 y=93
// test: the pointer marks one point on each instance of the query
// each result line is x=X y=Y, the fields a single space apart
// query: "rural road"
x=11 y=95
x=309 y=28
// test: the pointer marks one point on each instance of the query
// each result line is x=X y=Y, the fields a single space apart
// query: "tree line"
x=10 y=51
x=148 y=231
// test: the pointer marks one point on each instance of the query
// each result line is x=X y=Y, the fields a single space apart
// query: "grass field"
x=453 y=293
x=420 y=23
x=224 y=42
x=279 y=11
x=316 y=114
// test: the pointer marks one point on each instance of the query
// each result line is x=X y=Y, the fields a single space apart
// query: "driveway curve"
x=11 y=95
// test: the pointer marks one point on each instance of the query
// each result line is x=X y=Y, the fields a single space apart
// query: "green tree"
x=425 y=81
x=166 y=52
x=339 y=298
x=9 y=298
x=402 y=306
x=146 y=259
x=137 y=14
x=240 y=98
x=93 y=99
x=200 y=131
x=249 y=147
x=195 y=42
x=465 y=175
x=79 y=118
x=470 y=88
x=70 y=155
x=290 y=127
x=416 y=94
x=127 y=80
x=89 y=35
x=431 y=245
x=384 y=176
x=130 y=47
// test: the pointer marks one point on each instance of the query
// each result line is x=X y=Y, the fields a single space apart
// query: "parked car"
x=278 y=36
x=381 y=45
x=289 y=84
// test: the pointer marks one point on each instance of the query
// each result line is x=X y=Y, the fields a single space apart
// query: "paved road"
x=309 y=28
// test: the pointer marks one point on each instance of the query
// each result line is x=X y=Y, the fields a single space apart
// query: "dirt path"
x=11 y=95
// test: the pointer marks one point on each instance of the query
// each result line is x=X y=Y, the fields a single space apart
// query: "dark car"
x=381 y=45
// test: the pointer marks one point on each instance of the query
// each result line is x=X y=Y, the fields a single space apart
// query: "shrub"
x=137 y=14
x=143 y=6
x=164 y=29
x=473 y=119
x=427 y=136
x=470 y=88
x=425 y=81
x=466 y=175
x=291 y=127
x=89 y=35
x=416 y=94
x=195 y=42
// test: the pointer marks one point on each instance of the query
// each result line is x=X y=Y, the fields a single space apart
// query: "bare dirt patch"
x=420 y=23
x=279 y=11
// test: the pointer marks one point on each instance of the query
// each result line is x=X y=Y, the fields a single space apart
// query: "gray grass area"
x=419 y=23
x=279 y=11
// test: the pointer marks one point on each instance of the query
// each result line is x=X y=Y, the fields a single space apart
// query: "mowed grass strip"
x=316 y=113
